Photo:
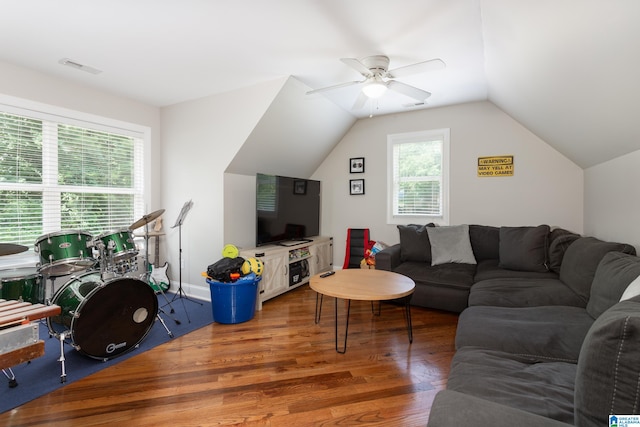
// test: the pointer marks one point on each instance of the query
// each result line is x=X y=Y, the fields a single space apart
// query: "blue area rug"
x=42 y=375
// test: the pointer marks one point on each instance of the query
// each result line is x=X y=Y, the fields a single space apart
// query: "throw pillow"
x=558 y=247
x=581 y=261
x=485 y=241
x=414 y=243
x=450 y=244
x=524 y=248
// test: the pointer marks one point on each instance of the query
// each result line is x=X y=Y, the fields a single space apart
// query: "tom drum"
x=64 y=252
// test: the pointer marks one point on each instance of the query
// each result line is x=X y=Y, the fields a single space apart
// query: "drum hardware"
x=146 y=275
x=63 y=373
x=8 y=372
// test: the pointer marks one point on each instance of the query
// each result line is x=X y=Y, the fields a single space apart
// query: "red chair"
x=357 y=244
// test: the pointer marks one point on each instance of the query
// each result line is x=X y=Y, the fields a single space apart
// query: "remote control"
x=327 y=274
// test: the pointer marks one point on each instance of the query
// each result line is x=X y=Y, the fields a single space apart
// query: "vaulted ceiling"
x=566 y=69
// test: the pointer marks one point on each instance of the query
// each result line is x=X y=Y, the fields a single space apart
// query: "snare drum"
x=64 y=252
x=120 y=243
x=104 y=318
x=22 y=284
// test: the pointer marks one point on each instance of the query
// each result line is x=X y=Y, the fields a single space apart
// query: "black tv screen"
x=287 y=209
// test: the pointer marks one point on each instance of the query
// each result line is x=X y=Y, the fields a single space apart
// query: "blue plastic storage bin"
x=234 y=302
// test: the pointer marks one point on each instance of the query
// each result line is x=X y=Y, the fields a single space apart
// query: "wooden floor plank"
x=279 y=369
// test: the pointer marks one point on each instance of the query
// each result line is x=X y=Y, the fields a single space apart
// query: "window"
x=418 y=176
x=58 y=173
x=266 y=193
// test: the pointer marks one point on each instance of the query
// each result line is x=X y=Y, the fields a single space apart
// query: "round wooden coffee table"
x=363 y=285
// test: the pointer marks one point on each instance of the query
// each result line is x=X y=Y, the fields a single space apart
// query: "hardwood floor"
x=279 y=369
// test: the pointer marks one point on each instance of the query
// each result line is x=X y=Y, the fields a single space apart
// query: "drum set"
x=105 y=309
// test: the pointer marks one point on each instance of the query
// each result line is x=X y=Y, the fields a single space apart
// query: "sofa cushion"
x=450 y=244
x=613 y=275
x=608 y=374
x=549 y=331
x=581 y=261
x=414 y=243
x=442 y=275
x=533 y=384
x=559 y=241
x=452 y=408
x=523 y=292
x=485 y=241
x=489 y=269
x=524 y=248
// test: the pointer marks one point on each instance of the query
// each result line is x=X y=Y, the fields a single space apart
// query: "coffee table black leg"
x=407 y=312
x=318 y=307
x=346 y=328
x=379 y=308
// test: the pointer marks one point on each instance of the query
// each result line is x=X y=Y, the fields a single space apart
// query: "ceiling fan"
x=378 y=78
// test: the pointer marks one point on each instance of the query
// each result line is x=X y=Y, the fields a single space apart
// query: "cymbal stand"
x=147 y=276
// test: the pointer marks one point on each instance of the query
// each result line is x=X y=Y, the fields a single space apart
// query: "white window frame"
x=420 y=136
x=52 y=113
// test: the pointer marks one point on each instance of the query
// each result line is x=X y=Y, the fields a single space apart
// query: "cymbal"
x=10 y=249
x=146 y=219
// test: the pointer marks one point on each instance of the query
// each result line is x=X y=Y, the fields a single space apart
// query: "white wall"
x=546 y=188
x=240 y=210
x=612 y=202
x=36 y=87
x=199 y=140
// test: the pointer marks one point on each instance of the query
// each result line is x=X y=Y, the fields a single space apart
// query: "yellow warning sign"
x=495 y=166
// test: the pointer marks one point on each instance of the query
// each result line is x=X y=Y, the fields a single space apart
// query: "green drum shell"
x=104 y=319
x=123 y=245
x=22 y=283
x=64 y=252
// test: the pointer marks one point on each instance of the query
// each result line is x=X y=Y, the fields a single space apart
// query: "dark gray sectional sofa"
x=551 y=345
x=511 y=265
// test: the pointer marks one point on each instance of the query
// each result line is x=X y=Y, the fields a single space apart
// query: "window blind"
x=417 y=178
x=57 y=175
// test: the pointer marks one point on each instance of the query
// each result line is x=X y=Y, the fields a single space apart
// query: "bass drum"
x=104 y=319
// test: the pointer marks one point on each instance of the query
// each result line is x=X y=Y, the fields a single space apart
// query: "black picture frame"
x=356 y=165
x=356 y=187
x=300 y=186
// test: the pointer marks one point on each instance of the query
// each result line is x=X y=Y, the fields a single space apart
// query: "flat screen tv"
x=287 y=209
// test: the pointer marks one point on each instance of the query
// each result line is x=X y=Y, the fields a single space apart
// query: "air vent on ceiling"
x=78 y=66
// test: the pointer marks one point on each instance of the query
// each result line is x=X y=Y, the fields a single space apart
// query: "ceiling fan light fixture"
x=375 y=89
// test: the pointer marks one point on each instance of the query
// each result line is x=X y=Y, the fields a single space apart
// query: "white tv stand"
x=288 y=267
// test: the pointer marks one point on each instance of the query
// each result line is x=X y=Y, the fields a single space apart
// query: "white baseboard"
x=200 y=292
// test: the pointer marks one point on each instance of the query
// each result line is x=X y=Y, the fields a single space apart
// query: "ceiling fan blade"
x=420 y=67
x=361 y=101
x=358 y=66
x=340 y=86
x=410 y=91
